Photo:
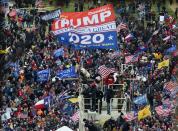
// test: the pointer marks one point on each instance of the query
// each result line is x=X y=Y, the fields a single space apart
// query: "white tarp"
x=64 y=128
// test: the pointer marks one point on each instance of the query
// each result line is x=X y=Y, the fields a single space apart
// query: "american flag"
x=171 y=86
x=130 y=116
x=116 y=54
x=104 y=71
x=129 y=37
x=167 y=103
x=39 y=3
x=131 y=58
x=121 y=26
x=22 y=116
x=161 y=111
x=75 y=117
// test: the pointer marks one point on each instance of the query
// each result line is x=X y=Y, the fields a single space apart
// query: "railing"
x=117 y=87
x=116 y=104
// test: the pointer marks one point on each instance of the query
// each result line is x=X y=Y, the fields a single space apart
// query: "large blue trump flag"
x=68 y=73
x=43 y=75
x=93 y=29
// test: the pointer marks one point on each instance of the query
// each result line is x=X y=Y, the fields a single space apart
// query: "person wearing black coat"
x=94 y=93
x=99 y=95
x=90 y=125
x=108 y=95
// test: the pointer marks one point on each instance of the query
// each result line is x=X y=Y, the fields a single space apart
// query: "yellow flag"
x=157 y=56
x=3 y=51
x=163 y=64
x=145 y=112
x=68 y=66
x=74 y=100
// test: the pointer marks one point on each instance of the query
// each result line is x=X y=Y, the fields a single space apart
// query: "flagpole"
x=81 y=111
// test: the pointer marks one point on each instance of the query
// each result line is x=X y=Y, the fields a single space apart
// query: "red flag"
x=104 y=71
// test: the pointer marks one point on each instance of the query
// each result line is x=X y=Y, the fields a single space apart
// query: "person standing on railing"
x=99 y=98
x=108 y=95
x=93 y=96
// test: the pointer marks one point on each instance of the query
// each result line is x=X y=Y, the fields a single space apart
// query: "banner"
x=93 y=29
x=68 y=73
x=43 y=75
x=51 y=15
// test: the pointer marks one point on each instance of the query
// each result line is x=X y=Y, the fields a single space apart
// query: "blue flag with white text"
x=140 y=100
x=68 y=73
x=43 y=75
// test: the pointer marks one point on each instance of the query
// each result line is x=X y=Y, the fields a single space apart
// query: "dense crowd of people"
x=31 y=46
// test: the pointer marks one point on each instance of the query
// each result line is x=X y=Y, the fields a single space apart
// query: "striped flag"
x=131 y=58
x=104 y=71
x=129 y=37
x=39 y=4
x=121 y=26
x=130 y=116
x=171 y=86
x=161 y=111
x=116 y=54
x=168 y=104
x=22 y=116
x=75 y=117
